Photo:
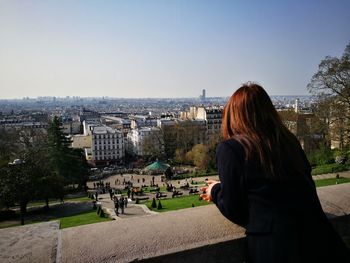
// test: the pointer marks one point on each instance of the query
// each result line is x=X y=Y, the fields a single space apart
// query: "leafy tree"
x=69 y=165
x=199 y=155
x=9 y=146
x=182 y=136
x=321 y=156
x=331 y=85
x=153 y=146
x=180 y=156
x=212 y=144
x=48 y=164
x=17 y=185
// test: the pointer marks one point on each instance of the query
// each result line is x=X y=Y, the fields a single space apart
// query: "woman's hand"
x=206 y=196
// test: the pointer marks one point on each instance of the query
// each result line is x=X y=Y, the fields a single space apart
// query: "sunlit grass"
x=177 y=203
x=81 y=219
x=331 y=181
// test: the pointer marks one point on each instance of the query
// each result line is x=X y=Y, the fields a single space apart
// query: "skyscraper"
x=202 y=97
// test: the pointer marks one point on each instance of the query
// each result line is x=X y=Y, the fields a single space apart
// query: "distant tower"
x=296 y=106
x=203 y=94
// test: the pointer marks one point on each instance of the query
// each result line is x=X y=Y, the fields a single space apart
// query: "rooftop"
x=104 y=130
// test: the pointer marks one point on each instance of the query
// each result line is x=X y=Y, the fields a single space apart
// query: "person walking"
x=266 y=186
x=126 y=202
x=110 y=193
x=121 y=204
x=116 y=205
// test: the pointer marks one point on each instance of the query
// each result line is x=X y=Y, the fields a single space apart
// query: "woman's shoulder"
x=230 y=145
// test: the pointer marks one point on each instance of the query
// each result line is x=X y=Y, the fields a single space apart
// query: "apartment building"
x=107 y=145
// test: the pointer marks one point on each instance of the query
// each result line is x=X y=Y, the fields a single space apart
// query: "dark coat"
x=283 y=216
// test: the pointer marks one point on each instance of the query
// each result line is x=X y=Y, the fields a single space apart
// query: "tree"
x=69 y=165
x=47 y=165
x=322 y=155
x=20 y=182
x=180 y=156
x=199 y=155
x=168 y=173
x=331 y=85
x=213 y=142
x=17 y=185
x=9 y=146
x=153 y=144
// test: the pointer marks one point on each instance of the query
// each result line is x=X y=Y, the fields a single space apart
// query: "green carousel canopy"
x=157 y=166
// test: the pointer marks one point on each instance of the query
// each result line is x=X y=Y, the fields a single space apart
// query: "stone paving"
x=131 y=211
x=30 y=243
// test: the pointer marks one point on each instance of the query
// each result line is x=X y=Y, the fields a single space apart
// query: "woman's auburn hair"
x=250 y=118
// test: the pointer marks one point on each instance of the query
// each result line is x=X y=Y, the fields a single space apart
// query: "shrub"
x=102 y=213
x=159 y=205
x=329 y=168
x=154 y=204
x=7 y=214
x=322 y=156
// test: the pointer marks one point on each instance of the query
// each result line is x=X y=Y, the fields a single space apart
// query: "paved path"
x=116 y=181
x=345 y=174
x=131 y=211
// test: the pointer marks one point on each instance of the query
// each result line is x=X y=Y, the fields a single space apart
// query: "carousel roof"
x=157 y=166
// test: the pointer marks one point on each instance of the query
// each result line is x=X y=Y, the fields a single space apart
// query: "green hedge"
x=329 y=168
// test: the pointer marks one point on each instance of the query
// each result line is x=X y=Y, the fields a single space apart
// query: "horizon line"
x=142 y=98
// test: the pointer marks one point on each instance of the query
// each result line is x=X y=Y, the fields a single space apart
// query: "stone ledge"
x=189 y=235
x=29 y=243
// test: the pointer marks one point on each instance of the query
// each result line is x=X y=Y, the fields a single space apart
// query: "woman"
x=266 y=186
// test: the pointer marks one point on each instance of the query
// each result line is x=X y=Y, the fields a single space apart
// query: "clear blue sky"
x=165 y=48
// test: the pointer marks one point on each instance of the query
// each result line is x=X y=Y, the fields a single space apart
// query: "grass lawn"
x=81 y=219
x=79 y=199
x=162 y=189
x=177 y=203
x=331 y=181
x=199 y=183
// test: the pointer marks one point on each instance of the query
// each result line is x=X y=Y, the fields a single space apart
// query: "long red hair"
x=251 y=119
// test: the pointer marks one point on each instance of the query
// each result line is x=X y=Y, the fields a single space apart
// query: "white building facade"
x=107 y=145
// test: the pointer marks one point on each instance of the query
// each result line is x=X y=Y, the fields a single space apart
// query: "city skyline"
x=157 y=49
